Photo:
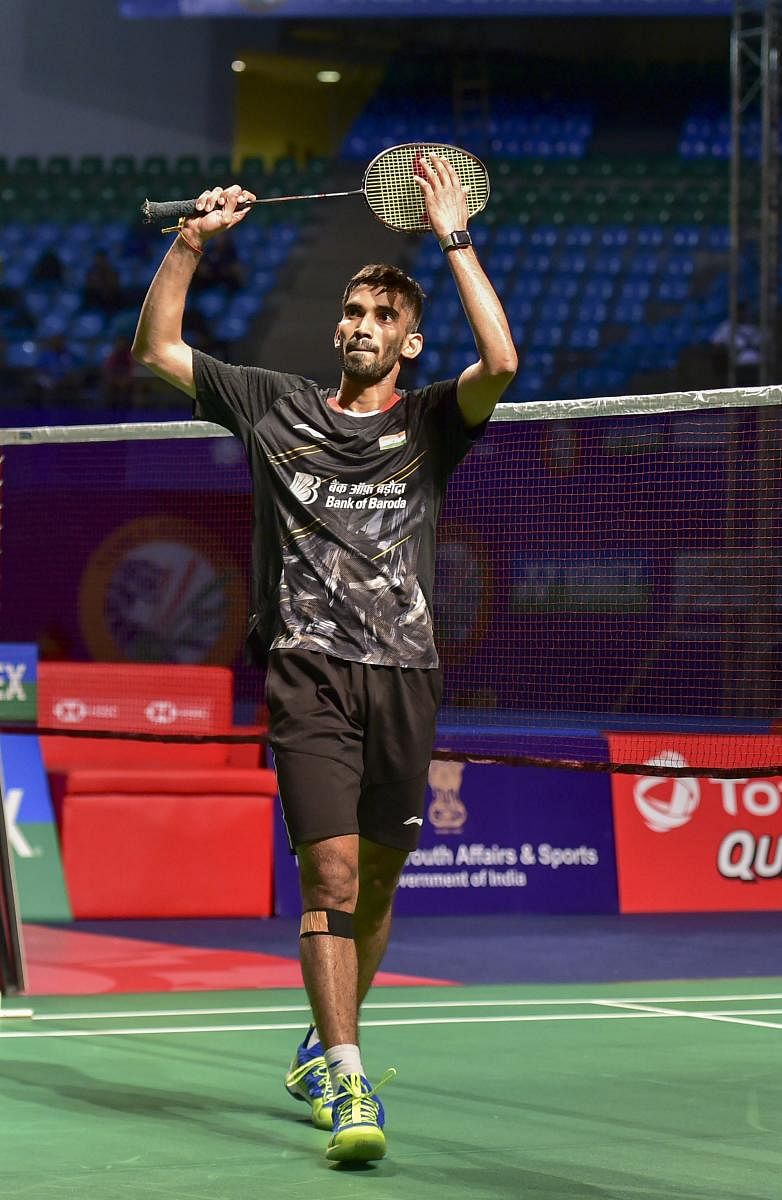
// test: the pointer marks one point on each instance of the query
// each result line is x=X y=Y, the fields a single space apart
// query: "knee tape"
x=330 y=921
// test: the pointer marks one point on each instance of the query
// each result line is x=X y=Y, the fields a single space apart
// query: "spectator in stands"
x=747 y=348
x=118 y=375
x=348 y=482
x=56 y=371
x=220 y=268
x=48 y=269
x=102 y=290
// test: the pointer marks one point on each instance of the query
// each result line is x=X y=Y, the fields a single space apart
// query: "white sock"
x=312 y=1038
x=343 y=1060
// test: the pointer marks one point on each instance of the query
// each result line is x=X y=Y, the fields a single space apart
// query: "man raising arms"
x=347 y=487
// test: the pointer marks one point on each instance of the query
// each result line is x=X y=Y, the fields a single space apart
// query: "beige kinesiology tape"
x=332 y=922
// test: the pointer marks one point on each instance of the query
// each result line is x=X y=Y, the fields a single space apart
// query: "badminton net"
x=606 y=566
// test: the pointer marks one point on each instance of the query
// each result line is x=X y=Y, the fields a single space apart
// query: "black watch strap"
x=455 y=241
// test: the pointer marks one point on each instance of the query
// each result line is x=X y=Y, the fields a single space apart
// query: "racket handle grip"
x=172 y=210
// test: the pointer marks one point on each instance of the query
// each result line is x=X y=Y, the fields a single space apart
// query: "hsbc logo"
x=70 y=712
x=161 y=712
x=165 y=712
x=666 y=804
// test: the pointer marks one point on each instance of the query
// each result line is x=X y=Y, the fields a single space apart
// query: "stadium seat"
x=90 y=165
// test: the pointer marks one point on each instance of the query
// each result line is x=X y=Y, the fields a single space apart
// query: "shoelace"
x=321 y=1073
x=351 y=1092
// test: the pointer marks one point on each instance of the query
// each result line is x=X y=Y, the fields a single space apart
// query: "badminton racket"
x=388 y=187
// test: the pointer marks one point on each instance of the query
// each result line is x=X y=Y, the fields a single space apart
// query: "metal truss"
x=754 y=183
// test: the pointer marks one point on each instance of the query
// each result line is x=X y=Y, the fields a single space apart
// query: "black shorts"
x=352 y=744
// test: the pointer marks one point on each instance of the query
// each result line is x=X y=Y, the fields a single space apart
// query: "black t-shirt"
x=345 y=507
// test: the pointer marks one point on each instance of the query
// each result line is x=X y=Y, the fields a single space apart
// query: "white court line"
x=696 y=1016
x=172 y=1029
x=132 y=1014
x=616 y=1013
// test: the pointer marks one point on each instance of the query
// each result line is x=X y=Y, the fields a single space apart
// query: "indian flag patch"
x=392 y=440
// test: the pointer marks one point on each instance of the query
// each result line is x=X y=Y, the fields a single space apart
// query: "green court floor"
x=664 y=1091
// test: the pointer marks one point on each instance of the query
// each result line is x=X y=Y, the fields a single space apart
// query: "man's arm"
x=158 y=342
x=482 y=383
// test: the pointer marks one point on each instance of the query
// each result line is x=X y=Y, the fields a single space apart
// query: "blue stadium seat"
x=680 y=266
x=544 y=235
x=51 y=325
x=563 y=287
x=510 y=235
x=38 y=301
x=545 y=337
x=644 y=263
x=672 y=291
x=554 y=312
x=231 y=328
x=536 y=262
x=593 y=312
x=650 y=236
x=579 y=235
x=635 y=290
x=211 y=303
x=574 y=262
x=21 y=355
x=599 y=289
x=614 y=236
x=585 y=337
x=87 y=325
x=608 y=263
x=627 y=312
x=518 y=309
x=245 y=304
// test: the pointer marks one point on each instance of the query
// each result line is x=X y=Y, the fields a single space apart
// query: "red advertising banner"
x=695 y=844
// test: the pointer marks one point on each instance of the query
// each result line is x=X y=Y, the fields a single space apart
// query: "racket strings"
x=394 y=196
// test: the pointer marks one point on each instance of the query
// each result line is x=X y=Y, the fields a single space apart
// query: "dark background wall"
x=78 y=79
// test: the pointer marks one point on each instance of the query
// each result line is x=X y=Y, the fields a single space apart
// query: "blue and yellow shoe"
x=358 y=1120
x=308 y=1080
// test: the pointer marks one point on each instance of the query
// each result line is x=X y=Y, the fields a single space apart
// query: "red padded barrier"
x=135 y=697
x=68 y=753
x=168 y=856
x=226 y=780
x=153 y=829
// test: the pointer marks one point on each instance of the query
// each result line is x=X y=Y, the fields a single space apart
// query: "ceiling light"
x=328 y=76
x=238 y=65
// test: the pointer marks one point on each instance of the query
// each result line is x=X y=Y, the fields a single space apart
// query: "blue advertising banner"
x=457 y=9
x=32 y=833
x=18 y=681
x=497 y=839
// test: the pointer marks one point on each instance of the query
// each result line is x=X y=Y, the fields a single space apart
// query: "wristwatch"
x=455 y=241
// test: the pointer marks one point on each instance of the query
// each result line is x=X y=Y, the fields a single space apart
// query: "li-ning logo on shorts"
x=305 y=487
x=666 y=804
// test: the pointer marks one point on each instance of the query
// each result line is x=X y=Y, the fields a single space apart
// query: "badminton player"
x=347 y=482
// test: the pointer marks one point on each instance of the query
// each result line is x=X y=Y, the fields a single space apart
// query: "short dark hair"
x=396 y=283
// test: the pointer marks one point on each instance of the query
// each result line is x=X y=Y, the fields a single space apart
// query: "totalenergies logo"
x=748 y=854
x=666 y=804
